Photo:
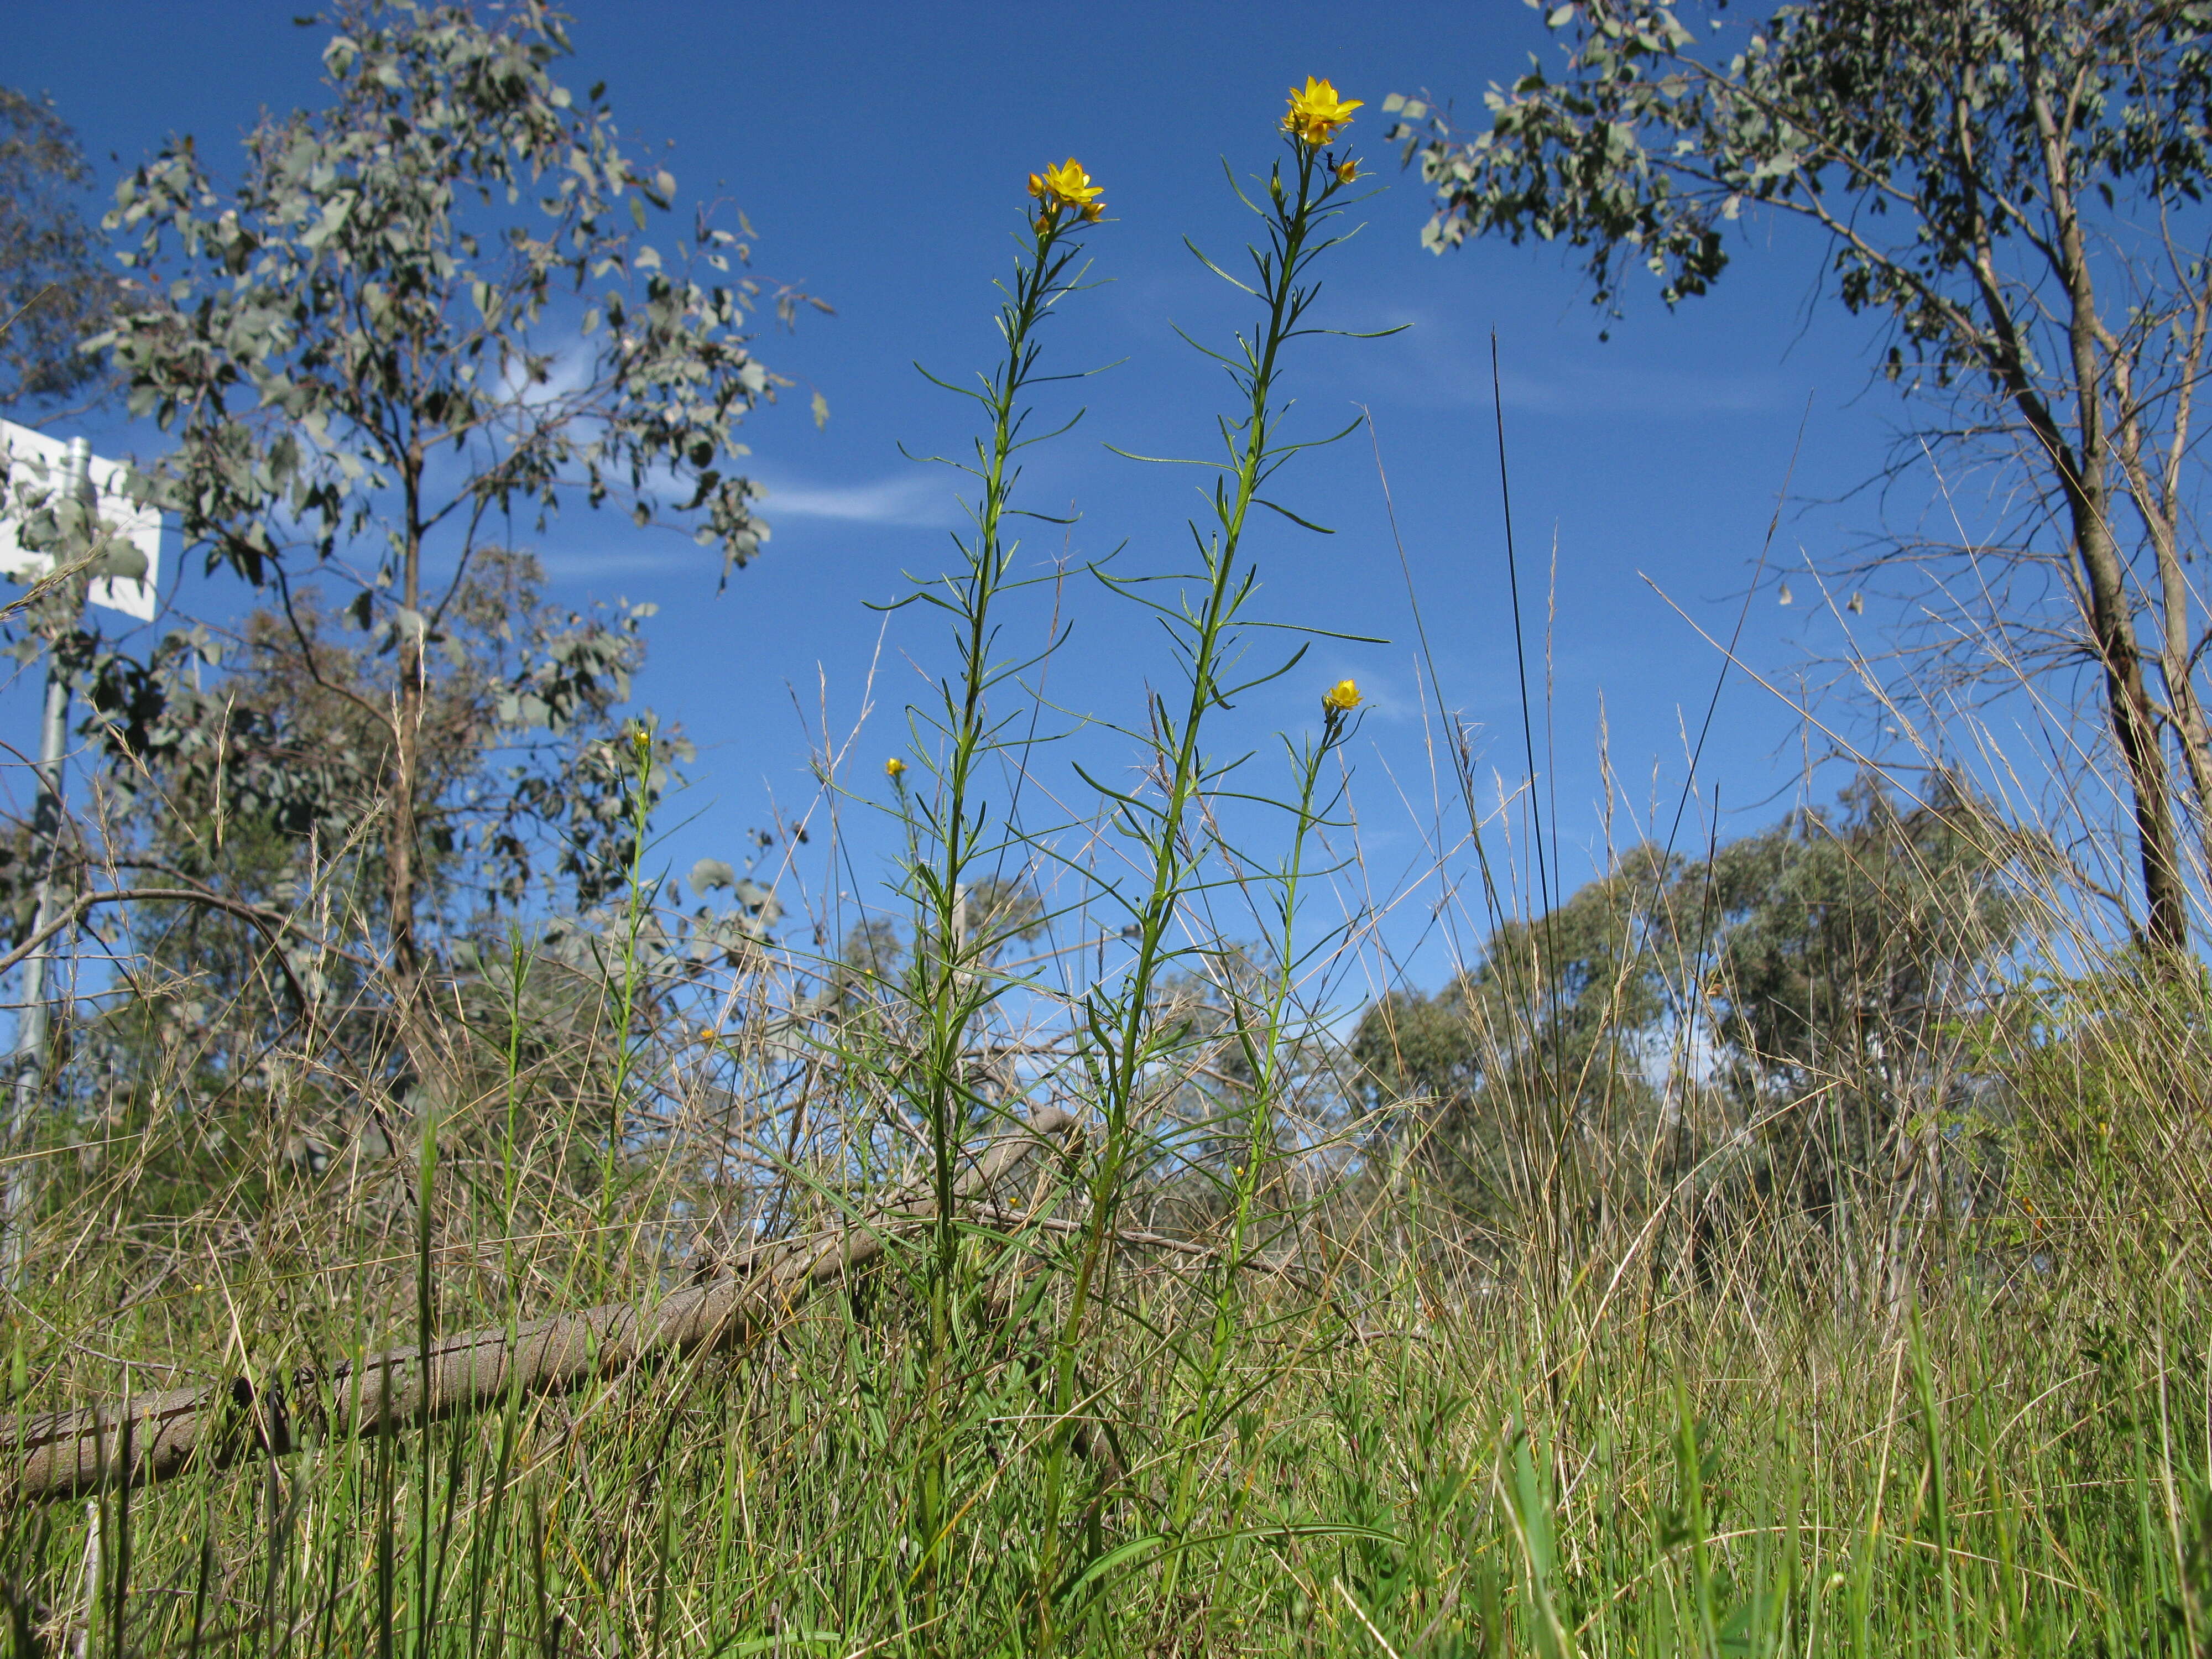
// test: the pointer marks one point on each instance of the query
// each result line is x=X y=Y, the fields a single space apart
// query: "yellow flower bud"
x=894 y=768
x=1341 y=698
x=1346 y=171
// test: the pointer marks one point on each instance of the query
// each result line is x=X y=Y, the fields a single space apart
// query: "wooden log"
x=152 y=1438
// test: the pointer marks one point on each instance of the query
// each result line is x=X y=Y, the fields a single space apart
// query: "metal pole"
x=32 y=1022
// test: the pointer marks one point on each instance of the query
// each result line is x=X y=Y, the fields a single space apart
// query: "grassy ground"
x=1399 y=1457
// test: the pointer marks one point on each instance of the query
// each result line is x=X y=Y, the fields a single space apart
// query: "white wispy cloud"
x=593 y=565
x=920 y=499
x=917 y=498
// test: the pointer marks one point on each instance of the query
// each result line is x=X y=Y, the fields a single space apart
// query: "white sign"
x=36 y=463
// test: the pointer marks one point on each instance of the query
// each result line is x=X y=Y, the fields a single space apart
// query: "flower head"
x=1316 y=113
x=1341 y=698
x=1068 y=185
x=1346 y=171
x=894 y=768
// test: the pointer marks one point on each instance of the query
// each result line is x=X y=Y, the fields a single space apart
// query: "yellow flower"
x=894 y=768
x=1316 y=113
x=1068 y=185
x=1346 y=171
x=1342 y=698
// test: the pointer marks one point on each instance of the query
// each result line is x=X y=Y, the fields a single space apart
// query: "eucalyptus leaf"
x=708 y=874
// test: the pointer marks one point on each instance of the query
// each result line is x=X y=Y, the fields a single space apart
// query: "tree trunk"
x=2084 y=476
x=2135 y=728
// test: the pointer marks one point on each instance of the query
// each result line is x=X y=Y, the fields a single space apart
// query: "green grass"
x=1416 y=1463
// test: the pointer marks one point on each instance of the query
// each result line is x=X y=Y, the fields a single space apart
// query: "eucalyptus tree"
x=55 y=288
x=2012 y=190
x=1809 y=987
x=424 y=311
x=1532 y=1062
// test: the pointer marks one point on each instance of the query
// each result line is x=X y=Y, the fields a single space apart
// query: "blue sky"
x=880 y=152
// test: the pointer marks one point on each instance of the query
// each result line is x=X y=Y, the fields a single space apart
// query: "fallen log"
x=147 y=1439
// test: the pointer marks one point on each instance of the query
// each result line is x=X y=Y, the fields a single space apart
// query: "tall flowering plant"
x=1119 y=1047
x=1127 y=1045
x=952 y=843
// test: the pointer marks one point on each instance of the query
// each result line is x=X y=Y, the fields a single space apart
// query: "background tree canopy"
x=1804 y=994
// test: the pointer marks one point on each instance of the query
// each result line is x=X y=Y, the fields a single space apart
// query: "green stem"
x=1123 y=1035
x=625 y=1048
x=1263 y=1056
x=953 y=988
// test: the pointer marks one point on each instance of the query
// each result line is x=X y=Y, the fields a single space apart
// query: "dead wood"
x=147 y=1439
